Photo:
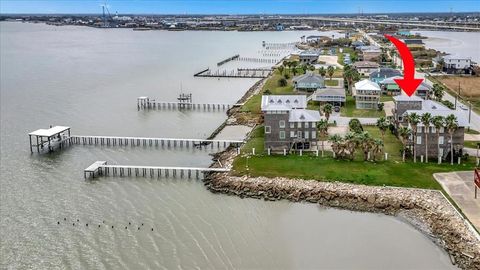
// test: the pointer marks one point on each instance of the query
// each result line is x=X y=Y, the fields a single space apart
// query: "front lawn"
x=349 y=110
x=331 y=82
x=390 y=173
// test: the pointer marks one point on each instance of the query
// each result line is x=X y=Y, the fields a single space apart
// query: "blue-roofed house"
x=383 y=73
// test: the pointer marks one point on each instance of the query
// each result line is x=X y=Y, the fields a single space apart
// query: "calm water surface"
x=462 y=44
x=89 y=79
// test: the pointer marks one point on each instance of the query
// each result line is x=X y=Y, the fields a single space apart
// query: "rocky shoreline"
x=427 y=210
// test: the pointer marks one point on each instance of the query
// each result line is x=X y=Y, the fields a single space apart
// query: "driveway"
x=343 y=120
x=460 y=187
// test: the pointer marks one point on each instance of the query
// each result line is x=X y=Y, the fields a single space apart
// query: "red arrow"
x=409 y=84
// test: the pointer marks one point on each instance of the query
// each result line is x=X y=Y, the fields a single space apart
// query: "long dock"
x=238 y=73
x=152 y=104
x=147 y=141
x=228 y=60
x=100 y=168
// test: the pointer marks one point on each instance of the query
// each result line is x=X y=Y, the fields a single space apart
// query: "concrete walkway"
x=459 y=185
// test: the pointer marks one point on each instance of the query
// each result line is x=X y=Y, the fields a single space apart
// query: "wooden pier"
x=278 y=46
x=49 y=139
x=100 y=168
x=228 y=60
x=149 y=103
x=258 y=60
x=236 y=73
x=146 y=141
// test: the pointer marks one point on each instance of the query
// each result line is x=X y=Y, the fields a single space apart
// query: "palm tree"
x=414 y=119
x=382 y=124
x=438 y=91
x=451 y=124
x=366 y=142
x=404 y=134
x=330 y=71
x=323 y=129
x=322 y=71
x=351 y=143
x=377 y=147
x=281 y=69
x=426 y=119
x=351 y=75
x=327 y=110
x=438 y=122
x=336 y=141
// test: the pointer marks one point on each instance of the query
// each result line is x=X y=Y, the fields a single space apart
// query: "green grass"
x=390 y=173
x=350 y=110
x=253 y=104
x=257 y=141
x=331 y=82
x=471 y=131
x=392 y=144
x=471 y=144
x=384 y=98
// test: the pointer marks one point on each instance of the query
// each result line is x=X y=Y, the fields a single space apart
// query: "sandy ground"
x=330 y=60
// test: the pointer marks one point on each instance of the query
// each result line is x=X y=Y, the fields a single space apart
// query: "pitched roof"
x=438 y=109
x=330 y=91
x=407 y=98
x=283 y=102
x=310 y=79
x=365 y=64
x=301 y=115
x=385 y=73
x=366 y=84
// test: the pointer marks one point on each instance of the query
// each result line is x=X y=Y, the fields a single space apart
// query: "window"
x=442 y=130
x=281 y=123
x=314 y=134
x=282 y=135
x=419 y=139
x=440 y=140
x=306 y=135
x=306 y=124
x=292 y=125
x=419 y=129
x=292 y=134
x=299 y=125
x=434 y=130
x=267 y=129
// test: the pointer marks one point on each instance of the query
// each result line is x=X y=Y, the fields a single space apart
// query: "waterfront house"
x=370 y=53
x=382 y=73
x=308 y=57
x=457 y=65
x=405 y=105
x=365 y=67
x=318 y=39
x=366 y=94
x=308 y=82
x=332 y=95
x=288 y=125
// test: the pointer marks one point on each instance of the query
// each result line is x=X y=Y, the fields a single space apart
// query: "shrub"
x=282 y=82
x=448 y=104
x=355 y=126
